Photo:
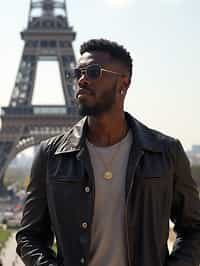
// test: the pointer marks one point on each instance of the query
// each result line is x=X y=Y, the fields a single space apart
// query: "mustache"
x=84 y=89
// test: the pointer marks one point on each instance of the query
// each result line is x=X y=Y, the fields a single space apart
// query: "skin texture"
x=103 y=99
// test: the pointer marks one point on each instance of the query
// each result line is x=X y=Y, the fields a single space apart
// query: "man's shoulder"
x=51 y=144
x=152 y=137
x=160 y=135
x=168 y=143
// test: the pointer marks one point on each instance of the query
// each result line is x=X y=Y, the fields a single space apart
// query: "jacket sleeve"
x=35 y=236
x=185 y=214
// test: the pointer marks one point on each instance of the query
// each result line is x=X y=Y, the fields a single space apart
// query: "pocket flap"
x=64 y=179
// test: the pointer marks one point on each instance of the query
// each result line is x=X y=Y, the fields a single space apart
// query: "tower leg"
x=23 y=89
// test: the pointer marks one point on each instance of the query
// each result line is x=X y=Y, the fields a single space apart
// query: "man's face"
x=97 y=96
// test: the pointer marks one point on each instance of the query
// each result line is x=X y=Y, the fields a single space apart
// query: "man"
x=107 y=188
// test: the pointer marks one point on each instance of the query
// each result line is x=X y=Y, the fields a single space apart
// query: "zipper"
x=127 y=203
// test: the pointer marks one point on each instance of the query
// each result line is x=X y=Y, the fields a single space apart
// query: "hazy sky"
x=163 y=37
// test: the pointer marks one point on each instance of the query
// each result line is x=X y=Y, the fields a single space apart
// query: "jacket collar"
x=143 y=137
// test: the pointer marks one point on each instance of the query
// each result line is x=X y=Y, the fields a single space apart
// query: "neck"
x=107 y=129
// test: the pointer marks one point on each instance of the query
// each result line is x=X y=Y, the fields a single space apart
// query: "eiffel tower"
x=48 y=36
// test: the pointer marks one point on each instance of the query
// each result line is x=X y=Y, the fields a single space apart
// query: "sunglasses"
x=92 y=72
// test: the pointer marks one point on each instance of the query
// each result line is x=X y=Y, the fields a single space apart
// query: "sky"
x=163 y=37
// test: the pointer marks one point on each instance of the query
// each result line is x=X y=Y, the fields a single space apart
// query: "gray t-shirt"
x=108 y=246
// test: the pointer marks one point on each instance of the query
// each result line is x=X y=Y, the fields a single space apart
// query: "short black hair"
x=115 y=50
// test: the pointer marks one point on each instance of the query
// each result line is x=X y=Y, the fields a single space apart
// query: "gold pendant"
x=108 y=175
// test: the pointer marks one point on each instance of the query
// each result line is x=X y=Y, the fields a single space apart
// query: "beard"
x=103 y=105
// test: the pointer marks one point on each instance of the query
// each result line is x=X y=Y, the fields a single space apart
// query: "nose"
x=83 y=79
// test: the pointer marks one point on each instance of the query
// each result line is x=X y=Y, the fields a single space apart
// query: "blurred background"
x=163 y=37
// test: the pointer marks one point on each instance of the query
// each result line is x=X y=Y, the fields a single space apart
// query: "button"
x=87 y=189
x=84 y=225
x=82 y=260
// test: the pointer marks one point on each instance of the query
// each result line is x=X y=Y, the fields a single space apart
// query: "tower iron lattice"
x=48 y=36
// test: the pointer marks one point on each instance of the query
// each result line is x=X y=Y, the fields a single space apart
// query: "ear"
x=123 y=86
x=125 y=82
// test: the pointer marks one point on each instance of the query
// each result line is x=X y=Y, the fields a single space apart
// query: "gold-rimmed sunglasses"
x=92 y=72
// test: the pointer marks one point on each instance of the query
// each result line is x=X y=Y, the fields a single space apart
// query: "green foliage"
x=17 y=176
x=4 y=235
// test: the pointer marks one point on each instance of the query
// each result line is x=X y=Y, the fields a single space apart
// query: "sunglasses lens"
x=93 y=71
x=77 y=73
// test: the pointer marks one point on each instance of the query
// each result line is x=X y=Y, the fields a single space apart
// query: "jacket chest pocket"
x=63 y=195
x=64 y=169
x=153 y=169
x=152 y=197
x=154 y=180
x=64 y=174
x=155 y=188
x=65 y=180
x=64 y=188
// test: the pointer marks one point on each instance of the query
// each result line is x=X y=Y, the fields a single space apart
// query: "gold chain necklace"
x=108 y=175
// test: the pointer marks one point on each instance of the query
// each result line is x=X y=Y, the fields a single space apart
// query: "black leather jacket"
x=61 y=194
